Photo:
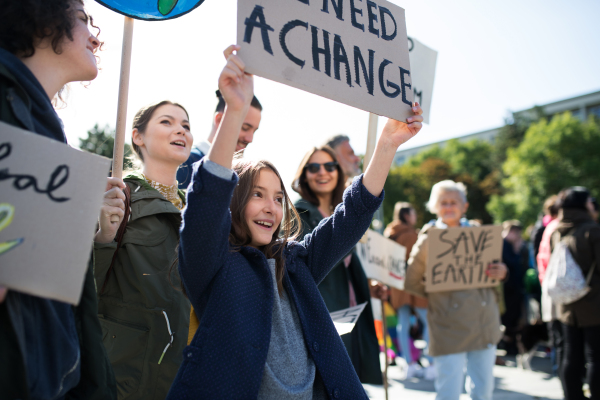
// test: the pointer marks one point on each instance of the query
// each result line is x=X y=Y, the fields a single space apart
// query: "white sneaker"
x=430 y=374
x=414 y=371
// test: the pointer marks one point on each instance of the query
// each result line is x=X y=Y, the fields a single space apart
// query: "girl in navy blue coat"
x=265 y=331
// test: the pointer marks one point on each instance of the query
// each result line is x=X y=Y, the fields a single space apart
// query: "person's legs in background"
x=555 y=328
x=403 y=329
x=592 y=357
x=450 y=370
x=429 y=373
x=480 y=373
x=573 y=362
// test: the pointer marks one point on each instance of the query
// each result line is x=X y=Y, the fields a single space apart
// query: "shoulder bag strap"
x=120 y=234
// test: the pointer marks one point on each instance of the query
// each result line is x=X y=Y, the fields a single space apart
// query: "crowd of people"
x=207 y=281
x=462 y=328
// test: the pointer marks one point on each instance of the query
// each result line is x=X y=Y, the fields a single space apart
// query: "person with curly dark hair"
x=48 y=349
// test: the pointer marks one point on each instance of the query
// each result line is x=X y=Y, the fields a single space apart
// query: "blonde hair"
x=444 y=187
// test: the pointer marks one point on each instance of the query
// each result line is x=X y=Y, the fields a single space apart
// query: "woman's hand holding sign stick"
x=112 y=211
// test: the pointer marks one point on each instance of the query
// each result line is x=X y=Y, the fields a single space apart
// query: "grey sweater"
x=289 y=371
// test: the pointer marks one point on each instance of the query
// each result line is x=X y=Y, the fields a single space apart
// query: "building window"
x=595 y=110
x=400 y=160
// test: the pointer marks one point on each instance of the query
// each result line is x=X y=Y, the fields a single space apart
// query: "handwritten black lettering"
x=338 y=8
x=316 y=50
x=340 y=57
x=372 y=17
x=449 y=269
x=383 y=11
x=435 y=272
x=358 y=59
x=282 y=35
x=58 y=178
x=257 y=20
x=353 y=12
x=392 y=94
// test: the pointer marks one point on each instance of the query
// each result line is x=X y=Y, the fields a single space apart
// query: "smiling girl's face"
x=167 y=138
x=264 y=209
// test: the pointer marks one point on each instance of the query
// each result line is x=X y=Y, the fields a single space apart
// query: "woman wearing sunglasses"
x=321 y=183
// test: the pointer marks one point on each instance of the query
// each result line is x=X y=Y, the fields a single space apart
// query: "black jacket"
x=27 y=321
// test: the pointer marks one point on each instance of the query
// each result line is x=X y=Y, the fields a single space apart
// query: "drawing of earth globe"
x=151 y=10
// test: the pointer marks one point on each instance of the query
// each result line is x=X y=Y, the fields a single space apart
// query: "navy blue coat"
x=232 y=294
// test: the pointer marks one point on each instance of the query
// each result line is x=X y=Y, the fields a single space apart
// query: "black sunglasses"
x=313 y=168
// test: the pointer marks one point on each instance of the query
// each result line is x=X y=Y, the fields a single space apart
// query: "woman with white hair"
x=464 y=325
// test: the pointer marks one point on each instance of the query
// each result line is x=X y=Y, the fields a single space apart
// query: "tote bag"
x=564 y=278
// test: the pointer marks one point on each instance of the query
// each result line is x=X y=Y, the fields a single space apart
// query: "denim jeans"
x=403 y=329
x=479 y=365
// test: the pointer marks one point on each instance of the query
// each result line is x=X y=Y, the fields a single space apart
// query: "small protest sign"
x=382 y=259
x=344 y=320
x=351 y=51
x=457 y=258
x=422 y=63
x=49 y=203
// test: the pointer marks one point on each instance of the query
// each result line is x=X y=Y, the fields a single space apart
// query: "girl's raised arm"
x=237 y=89
x=394 y=134
x=206 y=219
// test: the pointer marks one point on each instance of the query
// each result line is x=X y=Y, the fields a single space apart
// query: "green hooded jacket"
x=361 y=343
x=142 y=302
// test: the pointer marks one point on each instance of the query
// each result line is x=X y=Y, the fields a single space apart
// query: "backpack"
x=564 y=279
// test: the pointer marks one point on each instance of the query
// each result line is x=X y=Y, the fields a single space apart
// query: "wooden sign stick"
x=118 y=149
x=371 y=143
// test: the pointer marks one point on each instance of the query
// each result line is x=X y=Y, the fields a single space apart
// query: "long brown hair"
x=300 y=184
x=248 y=173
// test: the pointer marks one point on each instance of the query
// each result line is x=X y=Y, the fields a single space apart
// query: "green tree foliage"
x=512 y=133
x=101 y=141
x=468 y=162
x=552 y=156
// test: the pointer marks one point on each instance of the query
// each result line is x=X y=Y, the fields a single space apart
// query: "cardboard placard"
x=344 y=320
x=382 y=259
x=50 y=197
x=351 y=51
x=422 y=61
x=457 y=258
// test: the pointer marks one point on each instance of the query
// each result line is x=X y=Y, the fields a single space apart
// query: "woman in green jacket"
x=143 y=312
x=321 y=183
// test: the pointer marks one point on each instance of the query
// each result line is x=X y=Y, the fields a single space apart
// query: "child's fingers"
x=235 y=68
x=229 y=50
x=415 y=118
x=232 y=72
x=417 y=109
x=237 y=61
x=415 y=126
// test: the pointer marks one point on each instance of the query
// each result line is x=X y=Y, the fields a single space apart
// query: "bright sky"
x=494 y=57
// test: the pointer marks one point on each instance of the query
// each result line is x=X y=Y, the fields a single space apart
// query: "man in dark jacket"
x=516 y=257
x=251 y=122
x=48 y=349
